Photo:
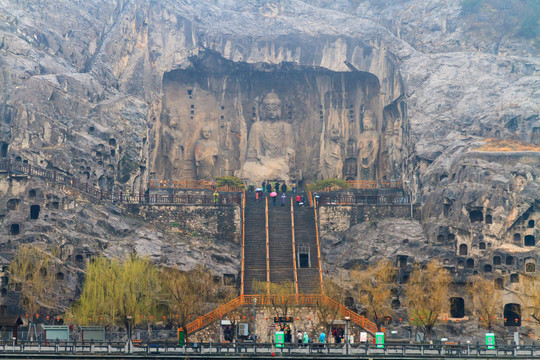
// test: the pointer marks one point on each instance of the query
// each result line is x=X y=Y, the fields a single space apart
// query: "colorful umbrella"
x=273 y=194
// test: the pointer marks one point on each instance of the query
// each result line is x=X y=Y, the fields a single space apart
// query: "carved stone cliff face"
x=105 y=90
x=326 y=111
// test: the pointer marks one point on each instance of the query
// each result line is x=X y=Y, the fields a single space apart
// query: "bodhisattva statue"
x=205 y=152
x=331 y=162
x=368 y=149
x=392 y=145
x=270 y=147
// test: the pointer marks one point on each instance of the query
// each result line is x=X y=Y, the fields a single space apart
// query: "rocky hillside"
x=83 y=84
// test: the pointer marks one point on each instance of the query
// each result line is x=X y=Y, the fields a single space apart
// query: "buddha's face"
x=369 y=123
x=206 y=132
x=334 y=135
x=272 y=109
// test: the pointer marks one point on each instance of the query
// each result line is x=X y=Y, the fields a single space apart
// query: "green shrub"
x=332 y=184
x=230 y=181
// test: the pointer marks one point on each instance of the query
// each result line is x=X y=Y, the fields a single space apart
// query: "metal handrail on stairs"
x=265 y=299
x=294 y=249
x=243 y=240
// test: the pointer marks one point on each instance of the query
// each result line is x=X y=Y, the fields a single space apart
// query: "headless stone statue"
x=205 y=152
x=270 y=147
x=331 y=162
x=368 y=149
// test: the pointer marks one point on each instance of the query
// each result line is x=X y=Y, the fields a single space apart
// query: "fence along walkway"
x=265 y=300
x=119 y=196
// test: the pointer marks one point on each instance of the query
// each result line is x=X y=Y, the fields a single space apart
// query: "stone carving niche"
x=274 y=122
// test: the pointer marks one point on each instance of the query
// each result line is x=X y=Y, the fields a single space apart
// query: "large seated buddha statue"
x=270 y=147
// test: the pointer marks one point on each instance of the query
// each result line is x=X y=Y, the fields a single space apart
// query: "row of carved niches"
x=294 y=124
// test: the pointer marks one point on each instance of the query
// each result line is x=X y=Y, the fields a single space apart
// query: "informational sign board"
x=379 y=340
x=280 y=339
x=363 y=337
x=181 y=337
x=490 y=340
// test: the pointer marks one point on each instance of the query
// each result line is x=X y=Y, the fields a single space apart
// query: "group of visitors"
x=303 y=338
x=338 y=334
x=273 y=192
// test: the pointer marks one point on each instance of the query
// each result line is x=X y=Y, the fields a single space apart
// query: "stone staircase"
x=280 y=234
x=254 y=243
x=306 y=238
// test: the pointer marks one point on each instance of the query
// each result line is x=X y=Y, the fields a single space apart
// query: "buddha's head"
x=369 y=121
x=271 y=106
x=334 y=135
x=206 y=132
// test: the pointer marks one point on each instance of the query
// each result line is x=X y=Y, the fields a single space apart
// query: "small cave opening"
x=509 y=260
x=79 y=258
x=457 y=307
x=43 y=272
x=13 y=204
x=113 y=152
x=517 y=237
x=488 y=268
x=514 y=278
x=4 y=150
x=112 y=142
x=451 y=237
x=14 y=229
x=530 y=267
x=489 y=219
x=34 y=212
x=402 y=260
x=91 y=129
x=530 y=240
x=396 y=304
x=463 y=249
x=530 y=224
x=482 y=246
x=512 y=314
x=18 y=159
x=349 y=301
x=55 y=205
x=496 y=260
x=499 y=283
x=469 y=263
x=3 y=292
x=440 y=238
x=476 y=216
x=59 y=276
x=446 y=210
x=32 y=193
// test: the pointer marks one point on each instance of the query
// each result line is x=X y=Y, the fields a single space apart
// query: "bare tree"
x=426 y=294
x=486 y=299
x=32 y=270
x=327 y=313
x=372 y=287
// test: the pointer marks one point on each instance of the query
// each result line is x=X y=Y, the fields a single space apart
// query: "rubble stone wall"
x=342 y=217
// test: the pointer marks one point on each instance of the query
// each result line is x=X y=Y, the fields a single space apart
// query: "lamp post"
x=347 y=319
x=129 y=333
x=254 y=320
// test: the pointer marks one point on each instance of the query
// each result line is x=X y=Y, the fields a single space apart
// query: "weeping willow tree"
x=32 y=271
x=121 y=293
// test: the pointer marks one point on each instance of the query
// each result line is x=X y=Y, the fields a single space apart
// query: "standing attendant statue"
x=205 y=152
x=368 y=149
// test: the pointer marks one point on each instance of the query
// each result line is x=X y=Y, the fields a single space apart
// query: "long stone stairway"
x=306 y=244
x=254 y=243
x=280 y=245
